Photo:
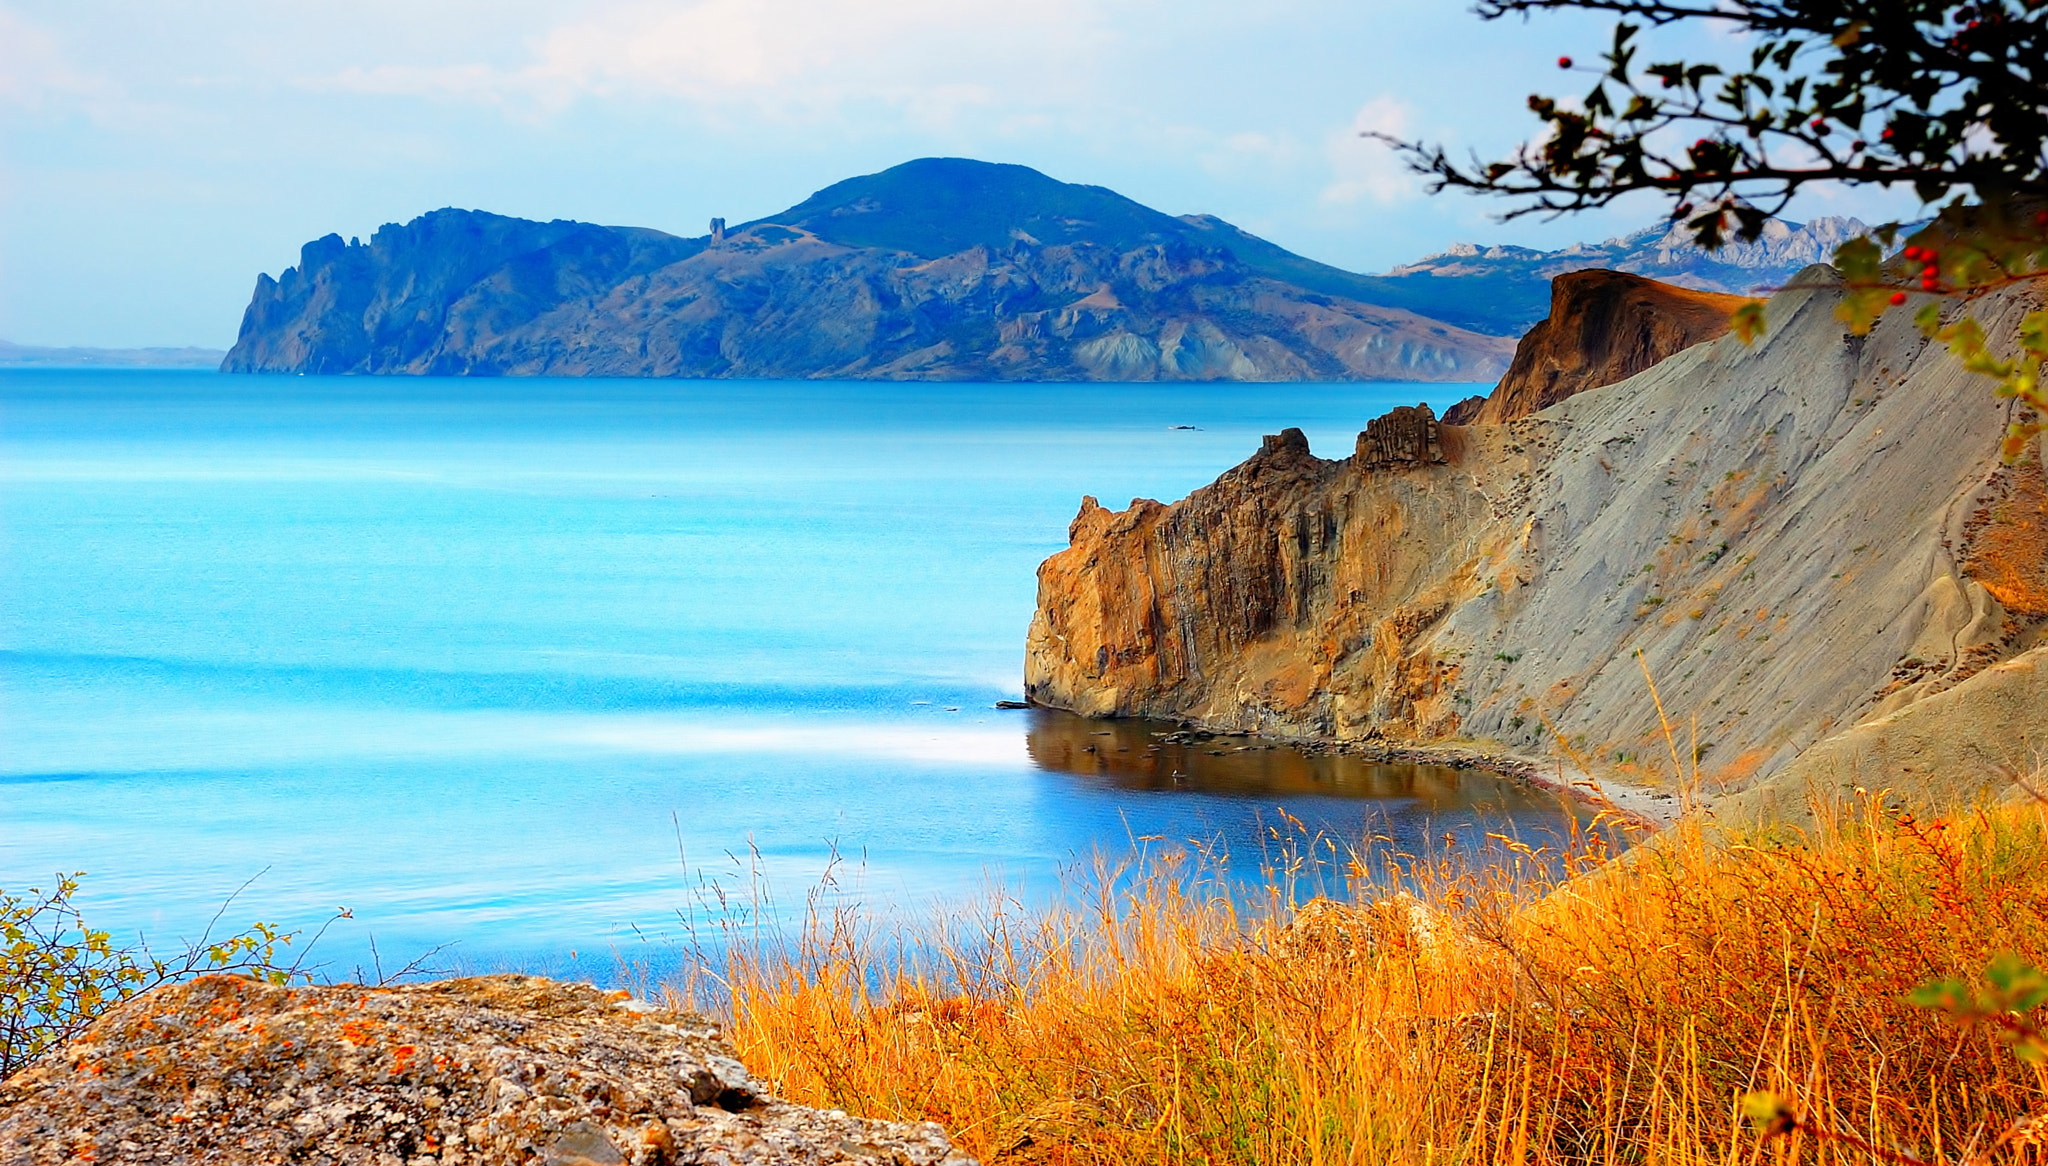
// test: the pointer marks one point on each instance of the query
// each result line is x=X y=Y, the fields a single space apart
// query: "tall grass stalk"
x=1538 y=1004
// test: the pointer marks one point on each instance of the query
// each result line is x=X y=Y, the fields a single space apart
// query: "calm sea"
x=533 y=666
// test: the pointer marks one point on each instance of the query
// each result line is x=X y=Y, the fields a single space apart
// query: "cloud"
x=1367 y=170
x=933 y=58
x=35 y=71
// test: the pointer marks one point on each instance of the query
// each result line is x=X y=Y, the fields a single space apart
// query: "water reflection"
x=1138 y=754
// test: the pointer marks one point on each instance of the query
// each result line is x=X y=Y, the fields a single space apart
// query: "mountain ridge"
x=936 y=269
x=1511 y=285
x=72 y=356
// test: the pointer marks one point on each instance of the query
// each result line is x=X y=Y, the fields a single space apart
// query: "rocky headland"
x=940 y=269
x=1808 y=546
x=491 y=1072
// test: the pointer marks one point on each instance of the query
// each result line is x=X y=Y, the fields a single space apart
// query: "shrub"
x=57 y=975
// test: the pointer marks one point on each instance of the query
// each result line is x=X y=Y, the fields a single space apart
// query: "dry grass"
x=1553 y=1007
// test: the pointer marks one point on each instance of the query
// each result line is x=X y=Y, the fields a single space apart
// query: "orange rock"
x=1603 y=327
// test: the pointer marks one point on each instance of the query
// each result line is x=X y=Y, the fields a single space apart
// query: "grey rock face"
x=1792 y=539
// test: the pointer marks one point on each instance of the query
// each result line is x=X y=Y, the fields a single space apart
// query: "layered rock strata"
x=490 y=1071
x=1787 y=540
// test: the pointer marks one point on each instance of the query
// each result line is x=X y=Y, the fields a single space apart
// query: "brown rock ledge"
x=1603 y=327
x=498 y=1069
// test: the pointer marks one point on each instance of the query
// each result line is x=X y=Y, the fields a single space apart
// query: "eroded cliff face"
x=1790 y=539
x=1604 y=326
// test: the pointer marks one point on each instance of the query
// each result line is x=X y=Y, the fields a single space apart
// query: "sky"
x=154 y=157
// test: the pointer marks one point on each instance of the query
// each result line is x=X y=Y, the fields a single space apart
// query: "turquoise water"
x=528 y=665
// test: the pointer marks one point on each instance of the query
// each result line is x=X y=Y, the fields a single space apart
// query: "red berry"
x=1887 y=132
x=1911 y=252
x=1564 y=62
x=1898 y=298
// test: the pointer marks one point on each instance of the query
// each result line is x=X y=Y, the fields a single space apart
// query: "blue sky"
x=155 y=157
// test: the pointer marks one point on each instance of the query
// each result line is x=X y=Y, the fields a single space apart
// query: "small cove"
x=517 y=664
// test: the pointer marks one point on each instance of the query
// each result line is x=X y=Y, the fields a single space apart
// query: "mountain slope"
x=1506 y=289
x=936 y=269
x=1793 y=539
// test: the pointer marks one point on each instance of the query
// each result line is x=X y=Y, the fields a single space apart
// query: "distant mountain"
x=942 y=268
x=34 y=356
x=1507 y=289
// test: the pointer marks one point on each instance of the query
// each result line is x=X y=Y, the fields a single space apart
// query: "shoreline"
x=1643 y=806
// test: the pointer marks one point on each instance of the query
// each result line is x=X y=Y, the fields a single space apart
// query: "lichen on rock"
x=486 y=1071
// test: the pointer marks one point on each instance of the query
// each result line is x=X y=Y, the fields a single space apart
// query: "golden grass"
x=1555 y=1006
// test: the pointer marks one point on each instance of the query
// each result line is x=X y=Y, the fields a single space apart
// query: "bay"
x=535 y=667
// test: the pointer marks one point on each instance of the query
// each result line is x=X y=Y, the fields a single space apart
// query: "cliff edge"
x=1791 y=540
x=1603 y=327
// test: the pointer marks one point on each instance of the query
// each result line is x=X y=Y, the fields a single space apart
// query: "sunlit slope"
x=1791 y=538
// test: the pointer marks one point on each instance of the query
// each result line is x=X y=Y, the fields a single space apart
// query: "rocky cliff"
x=1790 y=539
x=1604 y=326
x=488 y=1072
x=937 y=269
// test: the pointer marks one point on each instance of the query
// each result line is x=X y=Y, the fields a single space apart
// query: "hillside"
x=937 y=269
x=39 y=356
x=1793 y=539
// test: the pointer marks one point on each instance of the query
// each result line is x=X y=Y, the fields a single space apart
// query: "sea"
x=543 y=674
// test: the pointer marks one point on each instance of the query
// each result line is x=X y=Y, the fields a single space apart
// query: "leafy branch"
x=1964 y=255
x=1934 y=94
x=58 y=975
x=2003 y=1002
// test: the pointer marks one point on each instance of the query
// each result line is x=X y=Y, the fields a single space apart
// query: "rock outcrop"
x=1789 y=539
x=941 y=269
x=1604 y=326
x=1405 y=436
x=489 y=1072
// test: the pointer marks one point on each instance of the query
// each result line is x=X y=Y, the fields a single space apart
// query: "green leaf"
x=1950 y=996
x=1860 y=260
x=1748 y=321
